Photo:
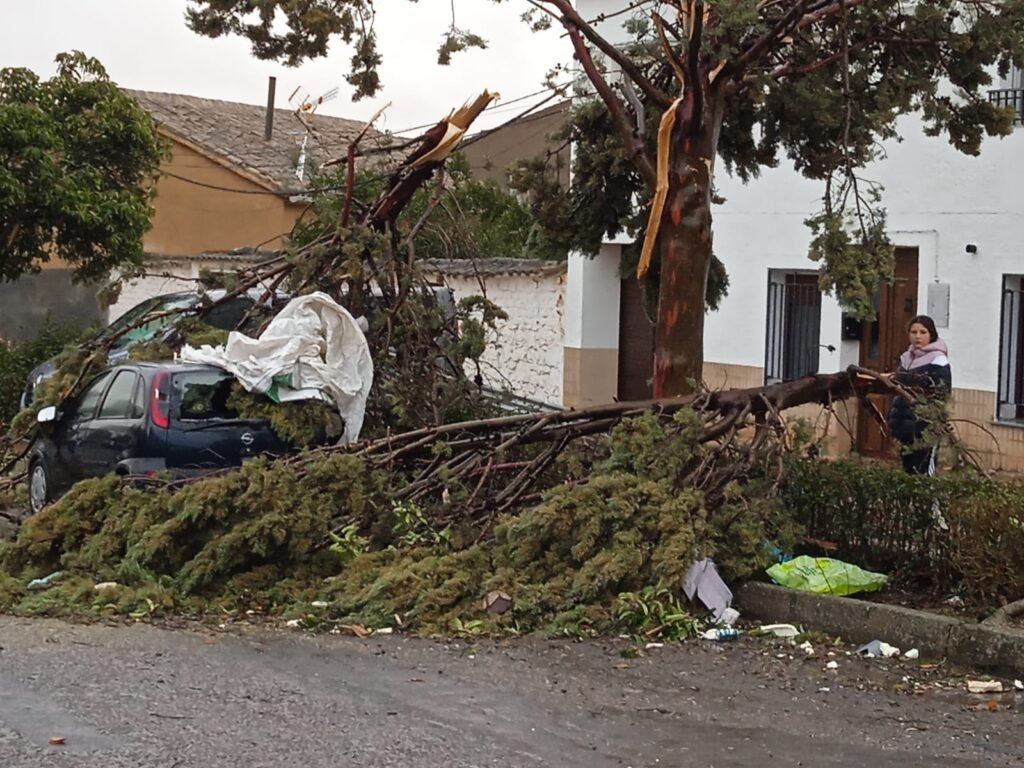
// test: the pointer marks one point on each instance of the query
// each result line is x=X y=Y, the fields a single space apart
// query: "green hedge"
x=954 y=531
x=18 y=360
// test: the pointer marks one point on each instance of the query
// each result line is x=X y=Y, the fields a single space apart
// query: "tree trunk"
x=684 y=245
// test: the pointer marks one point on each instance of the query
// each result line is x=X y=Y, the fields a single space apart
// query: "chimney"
x=268 y=131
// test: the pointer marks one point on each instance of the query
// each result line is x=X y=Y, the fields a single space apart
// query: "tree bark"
x=684 y=245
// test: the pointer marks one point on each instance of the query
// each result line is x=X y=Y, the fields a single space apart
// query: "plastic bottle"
x=722 y=634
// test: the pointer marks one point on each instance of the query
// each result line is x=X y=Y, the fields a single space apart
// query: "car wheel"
x=39 y=491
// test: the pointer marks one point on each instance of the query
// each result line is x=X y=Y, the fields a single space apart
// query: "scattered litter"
x=956 y=601
x=825 y=575
x=729 y=617
x=780 y=630
x=778 y=554
x=912 y=654
x=984 y=686
x=106 y=586
x=1018 y=685
x=57 y=740
x=704 y=582
x=45 y=581
x=652 y=646
x=877 y=648
x=354 y=629
x=991 y=705
x=383 y=631
x=807 y=648
x=832 y=665
x=721 y=635
x=293 y=623
x=824 y=689
x=319 y=604
x=497 y=602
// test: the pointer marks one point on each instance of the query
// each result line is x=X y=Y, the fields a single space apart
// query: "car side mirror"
x=47 y=415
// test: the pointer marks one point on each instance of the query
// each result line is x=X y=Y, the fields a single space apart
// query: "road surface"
x=138 y=695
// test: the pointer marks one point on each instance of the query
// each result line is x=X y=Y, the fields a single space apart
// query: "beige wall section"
x=527 y=138
x=997 y=446
x=725 y=376
x=589 y=376
x=836 y=426
x=191 y=219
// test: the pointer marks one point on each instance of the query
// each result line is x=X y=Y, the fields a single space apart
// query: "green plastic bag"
x=825 y=576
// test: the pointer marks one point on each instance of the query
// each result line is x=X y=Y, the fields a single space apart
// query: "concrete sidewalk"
x=858 y=621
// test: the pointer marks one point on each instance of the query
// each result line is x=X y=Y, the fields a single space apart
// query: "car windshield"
x=203 y=395
x=136 y=313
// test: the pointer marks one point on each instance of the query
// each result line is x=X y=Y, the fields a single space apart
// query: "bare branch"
x=571 y=19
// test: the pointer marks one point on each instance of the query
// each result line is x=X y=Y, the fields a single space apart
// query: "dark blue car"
x=141 y=419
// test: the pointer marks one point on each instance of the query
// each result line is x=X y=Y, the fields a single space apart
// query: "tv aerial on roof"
x=305 y=104
x=305 y=107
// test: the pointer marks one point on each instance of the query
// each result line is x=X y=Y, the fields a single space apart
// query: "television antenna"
x=305 y=107
x=305 y=104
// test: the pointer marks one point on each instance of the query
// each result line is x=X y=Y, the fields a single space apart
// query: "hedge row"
x=954 y=531
x=18 y=359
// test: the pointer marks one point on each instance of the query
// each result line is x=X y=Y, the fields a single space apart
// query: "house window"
x=1011 y=93
x=794 y=325
x=1015 y=79
x=1010 y=401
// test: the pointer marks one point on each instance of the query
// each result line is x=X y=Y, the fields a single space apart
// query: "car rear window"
x=203 y=395
x=150 y=329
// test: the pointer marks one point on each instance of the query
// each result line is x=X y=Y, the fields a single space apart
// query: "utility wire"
x=274 y=193
x=493 y=108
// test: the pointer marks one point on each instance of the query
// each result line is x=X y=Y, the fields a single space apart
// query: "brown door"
x=636 y=344
x=882 y=341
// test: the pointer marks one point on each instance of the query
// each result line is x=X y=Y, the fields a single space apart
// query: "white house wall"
x=525 y=354
x=938 y=201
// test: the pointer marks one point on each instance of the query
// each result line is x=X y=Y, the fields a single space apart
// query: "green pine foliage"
x=274 y=536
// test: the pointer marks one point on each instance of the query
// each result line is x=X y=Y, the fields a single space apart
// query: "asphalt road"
x=144 y=696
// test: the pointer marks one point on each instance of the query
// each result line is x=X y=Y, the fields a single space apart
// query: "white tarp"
x=312 y=349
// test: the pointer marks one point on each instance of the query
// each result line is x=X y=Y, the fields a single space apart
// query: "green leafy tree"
x=459 y=217
x=745 y=82
x=77 y=156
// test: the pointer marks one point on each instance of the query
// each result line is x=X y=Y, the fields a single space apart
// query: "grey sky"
x=145 y=44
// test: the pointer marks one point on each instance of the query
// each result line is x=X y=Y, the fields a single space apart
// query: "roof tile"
x=235 y=133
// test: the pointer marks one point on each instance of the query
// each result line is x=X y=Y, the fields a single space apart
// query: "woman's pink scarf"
x=915 y=357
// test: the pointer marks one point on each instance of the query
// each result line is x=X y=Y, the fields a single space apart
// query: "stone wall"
x=168 y=275
x=28 y=303
x=525 y=355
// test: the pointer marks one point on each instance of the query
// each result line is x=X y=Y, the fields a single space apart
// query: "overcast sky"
x=144 y=44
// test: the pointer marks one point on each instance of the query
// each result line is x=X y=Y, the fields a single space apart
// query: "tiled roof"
x=234 y=133
x=244 y=255
x=498 y=265
x=445 y=267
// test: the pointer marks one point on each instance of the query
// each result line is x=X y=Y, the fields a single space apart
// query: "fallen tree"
x=576 y=515
x=587 y=518
x=353 y=252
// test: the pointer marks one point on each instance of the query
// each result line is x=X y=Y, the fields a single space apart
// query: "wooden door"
x=636 y=344
x=882 y=341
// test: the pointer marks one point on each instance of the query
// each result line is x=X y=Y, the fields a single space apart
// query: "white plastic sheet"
x=312 y=349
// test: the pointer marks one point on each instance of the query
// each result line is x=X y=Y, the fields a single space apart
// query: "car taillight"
x=160 y=400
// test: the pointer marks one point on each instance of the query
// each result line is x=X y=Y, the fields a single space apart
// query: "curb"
x=970 y=645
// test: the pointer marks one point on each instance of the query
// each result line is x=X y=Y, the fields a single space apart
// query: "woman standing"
x=924 y=366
